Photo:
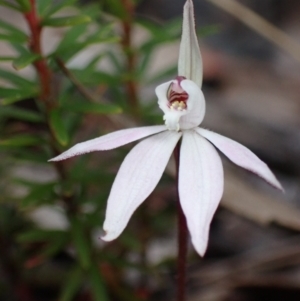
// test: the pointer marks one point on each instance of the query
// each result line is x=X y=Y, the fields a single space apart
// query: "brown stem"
x=130 y=84
x=45 y=77
x=41 y=67
x=182 y=237
x=83 y=91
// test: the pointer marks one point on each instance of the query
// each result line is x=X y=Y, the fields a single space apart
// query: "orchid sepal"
x=190 y=61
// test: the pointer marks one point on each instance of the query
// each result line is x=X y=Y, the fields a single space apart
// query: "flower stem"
x=130 y=56
x=41 y=67
x=182 y=237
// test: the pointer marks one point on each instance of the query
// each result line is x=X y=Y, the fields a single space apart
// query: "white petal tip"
x=278 y=186
x=241 y=156
x=109 y=236
x=200 y=247
x=55 y=159
x=52 y=160
x=270 y=178
x=190 y=61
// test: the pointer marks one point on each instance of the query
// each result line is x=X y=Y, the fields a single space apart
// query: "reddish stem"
x=131 y=87
x=45 y=77
x=43 y=71
x=182 y=237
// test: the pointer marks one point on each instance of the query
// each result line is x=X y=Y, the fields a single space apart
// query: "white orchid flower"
x=200 y=167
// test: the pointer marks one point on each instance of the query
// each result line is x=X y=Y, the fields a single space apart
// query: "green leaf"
x=27 y=155
x=72 y=285
x=67 y=52
x=93 y=177
x=12 y=38
x=81 y=243
x=97 y=78
x=9 y=96
x=92 y=65
x=25 y=4
x=58 y=127
x=116 y=62
x=38 y=195
x=174 y=27
x=55 y=240
x=10 y=5
x=153 y=27
x=43 y=6
x=171 y=32
x=103 y=33
x=94 y=10
x=66 y=21
x=93 y=108
x=70 y=37
x=117 y=8
x=17 y=80
x=20 y=114
x=38 y=235
x=56 y=7
x=25 y=60
x=6 y=58
x=77 y=38
x=54 y=246
x=99 y=39
x=98 y=286
x=20 y=140
x=144 y=63
x=12 y=29
x=19 y=48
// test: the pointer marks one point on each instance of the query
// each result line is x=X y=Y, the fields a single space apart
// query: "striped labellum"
x=177 y=97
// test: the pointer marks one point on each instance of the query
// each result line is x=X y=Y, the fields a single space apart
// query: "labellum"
x=177 y=97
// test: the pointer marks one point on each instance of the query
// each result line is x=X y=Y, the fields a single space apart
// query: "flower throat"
x=177 y=97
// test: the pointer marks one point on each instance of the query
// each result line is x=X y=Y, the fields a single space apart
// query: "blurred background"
x=95 y=73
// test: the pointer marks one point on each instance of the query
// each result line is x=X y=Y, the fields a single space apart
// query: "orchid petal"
x=241 y=156
x=200 y=186
x=138 y=175
x=190 y=61
x=110 y=141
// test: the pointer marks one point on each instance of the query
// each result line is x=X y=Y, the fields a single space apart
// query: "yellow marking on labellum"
x=178 y=105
